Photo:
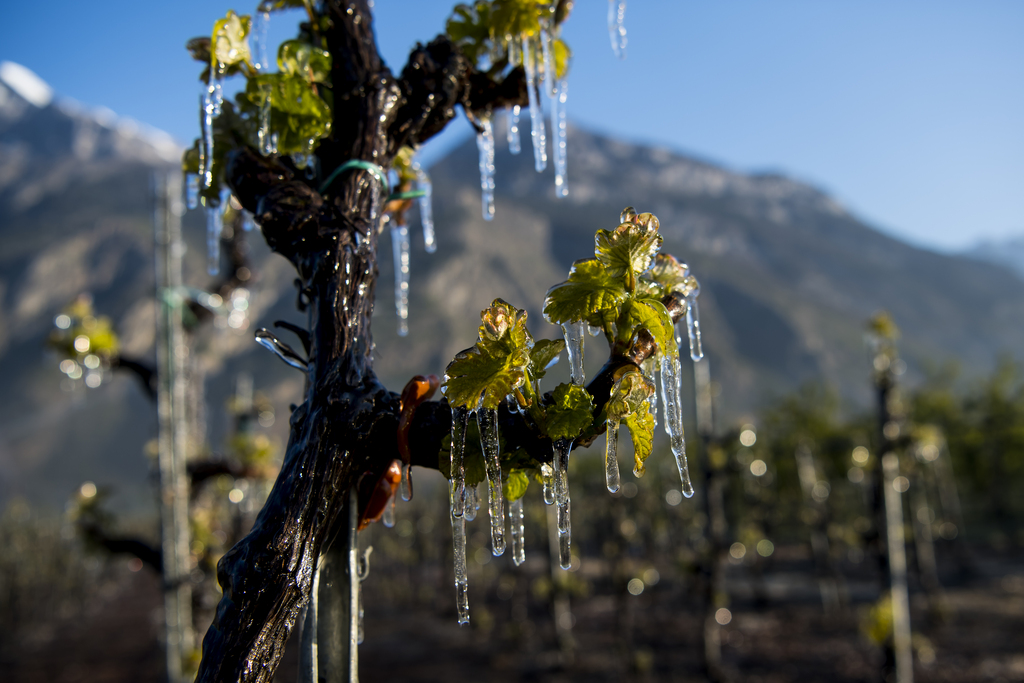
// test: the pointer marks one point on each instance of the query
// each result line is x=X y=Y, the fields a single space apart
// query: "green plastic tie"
x=408 y=194
x=373 y=168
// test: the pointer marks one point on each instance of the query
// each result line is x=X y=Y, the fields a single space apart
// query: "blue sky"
x=910 y=113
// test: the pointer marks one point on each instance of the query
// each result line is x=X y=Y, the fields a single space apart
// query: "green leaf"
x=629 y=249
x=298 y=115
x=515 y=484
x=629 y=395
x=562 y=56
x=671 y=275
x=298 y=58
x=543 y=355
x=571 y=413
x=589 y=290
x=641 y=430
x=517 y=17
x=651 y=314
x=496 y=365
x=229 y=40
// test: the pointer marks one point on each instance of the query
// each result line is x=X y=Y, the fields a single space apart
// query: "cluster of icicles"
x=463 y=499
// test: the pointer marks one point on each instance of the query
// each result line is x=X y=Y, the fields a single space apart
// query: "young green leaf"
x=629 y=249
x=589 y=290
x=297 y=113
x=571 y=413
x=671 y=275
x=629 y=394
x=543 y=355
x=496 y=365
x=515 y=485
x=229 y=43
x=298 y=58
x=651 y=314
x=641 y=430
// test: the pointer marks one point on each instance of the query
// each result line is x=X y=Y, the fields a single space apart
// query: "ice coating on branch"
x=487 y=418
x=573 y=333
x=616 y=29
x=214 y=227
x=561 y=453
x=472 y=503
x=388 y=518
x=400 y=251
x=457 y=489
x=461 y=577
x=611 y=458
x=671 y=390
x=192 y=190
x=485 y=145
x=559 y=145
x=426 y=209
x=267 y=340
x=540 y=143
x=547 y=476
x=512 y=116
x=518 y=529
x=693 y=326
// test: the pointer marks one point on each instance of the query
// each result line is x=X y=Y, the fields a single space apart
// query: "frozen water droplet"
x=472 y=503
x=400 y=251
x=671 y=390
x=559 y=128
x=561 y=457
x=457 y=490
x=388 y=518
x=487 y=418
x=537 y=134
x=518 y=528
x=512 y=116
x=269 y=340
x=693 y=327
x=628 y=215
x=485 y=145
x=426 y=209
x=573 y=333
x=547 y=475
x=616 y=29
x=192 y=190
x=594 y=330
x=406 y=485
x=461 y=576
x=611 y=459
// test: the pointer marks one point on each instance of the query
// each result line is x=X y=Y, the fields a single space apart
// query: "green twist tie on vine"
x=373 y=168
x=408 y=194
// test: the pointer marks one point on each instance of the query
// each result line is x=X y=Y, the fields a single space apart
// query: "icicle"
x=558 y=145
x=192 y=190
x=388 y=518
x=426 y=209
x=461 y=577
x=214 y=227
x=562 y=449
x=213 y=99
x=512 y=116
x=258 y=34
x=549 y=64
x=611 y=459
x=472 y=503
x=648 y=370
x=573 y=333
x=353 y=583
x=487 y=418
x=400 y=250
x=547 y=475
x=540 y=146
x=247 y=221
x=616 y=29
x=693 y=326
x=405 y=487
x=485 y=144
x=518 y=531
x=269 y=340
x=671 y=391
x=457 y=491
x=364 y=572
x=374 y=201
x=594 y=330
